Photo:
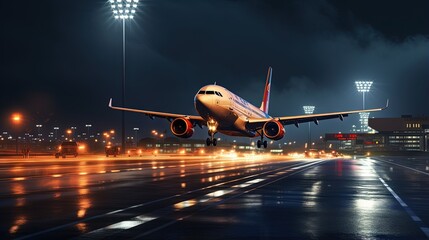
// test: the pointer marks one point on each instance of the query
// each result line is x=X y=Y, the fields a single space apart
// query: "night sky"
x=61 y=60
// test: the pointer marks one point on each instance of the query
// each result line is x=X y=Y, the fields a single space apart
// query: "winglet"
x=110 y=103
x=387 y=104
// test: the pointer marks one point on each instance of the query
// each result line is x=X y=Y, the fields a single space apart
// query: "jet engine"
x=274 y=130
x=182 y=127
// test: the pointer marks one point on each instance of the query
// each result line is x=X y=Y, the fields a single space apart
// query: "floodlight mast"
x=123 y=10
x=309 y=110
x=363 y=87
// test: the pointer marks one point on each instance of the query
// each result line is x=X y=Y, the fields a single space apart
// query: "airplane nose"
x=202 y=103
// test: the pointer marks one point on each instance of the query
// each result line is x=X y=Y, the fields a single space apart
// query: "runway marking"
x=226 y=199
x=407 y=209
x=403 y=204
x=117 y=227
x=400 y=165
x=151 y=202
x=136 y=221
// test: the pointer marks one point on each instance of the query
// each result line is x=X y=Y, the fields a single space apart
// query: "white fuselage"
x=229 y=111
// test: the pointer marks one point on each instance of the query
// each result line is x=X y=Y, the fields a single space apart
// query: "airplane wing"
x=257 y=123
x=169 y=116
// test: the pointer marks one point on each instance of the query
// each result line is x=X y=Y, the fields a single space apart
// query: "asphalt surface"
x=252 y=197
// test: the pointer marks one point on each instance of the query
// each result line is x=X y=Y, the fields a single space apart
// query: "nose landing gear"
x=211 y=140
x=212 y=126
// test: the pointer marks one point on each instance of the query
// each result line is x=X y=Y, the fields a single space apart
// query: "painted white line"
x=403 y=204
x=407 y=209
x=118 y=227
x=400 y=165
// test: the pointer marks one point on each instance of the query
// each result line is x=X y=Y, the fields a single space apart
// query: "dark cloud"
x=68 y=56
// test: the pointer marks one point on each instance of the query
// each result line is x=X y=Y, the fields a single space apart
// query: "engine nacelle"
x=274 y=130
x=182 y=127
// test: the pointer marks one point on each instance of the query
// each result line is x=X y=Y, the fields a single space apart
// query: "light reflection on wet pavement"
x=222 y=198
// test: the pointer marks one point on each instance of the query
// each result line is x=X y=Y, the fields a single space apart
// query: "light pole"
x=16 y=120
x=69 y=133
x=39 y=135
x=136 y=130
x=363 y=87
x=309 y=110
x=123 y=10
x=74 y=130
x=56 y=132
x=88 y=126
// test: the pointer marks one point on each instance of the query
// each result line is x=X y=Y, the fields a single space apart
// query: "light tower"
x=363 y=87
x=123 y=10
x=88 y=126
x=56 y=132
x=309 y=110
x=136 y=131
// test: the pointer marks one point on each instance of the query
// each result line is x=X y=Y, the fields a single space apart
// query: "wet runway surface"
x=215 y=198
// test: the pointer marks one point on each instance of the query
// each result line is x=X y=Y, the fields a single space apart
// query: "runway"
x=228 y=197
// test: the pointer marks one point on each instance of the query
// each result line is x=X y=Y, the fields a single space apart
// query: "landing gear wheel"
x=258 y=143
x=265 y=144
x=214 y=141
x=208 y=142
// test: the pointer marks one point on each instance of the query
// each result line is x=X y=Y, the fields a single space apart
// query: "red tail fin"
x=266 y=99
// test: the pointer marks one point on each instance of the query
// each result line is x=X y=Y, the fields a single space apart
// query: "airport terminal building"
x=406 y=133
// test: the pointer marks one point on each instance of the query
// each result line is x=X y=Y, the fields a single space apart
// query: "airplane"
x=222 y=111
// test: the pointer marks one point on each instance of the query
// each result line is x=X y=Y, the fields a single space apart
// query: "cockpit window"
x=219 y=94
x=210 y=92
x=201 y=92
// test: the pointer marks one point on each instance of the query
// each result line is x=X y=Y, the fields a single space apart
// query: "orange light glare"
x=16 y=118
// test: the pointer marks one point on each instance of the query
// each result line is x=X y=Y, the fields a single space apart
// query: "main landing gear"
x=261 y=143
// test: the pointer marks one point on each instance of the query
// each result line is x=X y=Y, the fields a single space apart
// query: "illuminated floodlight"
x=308 y=109
x=123 y=6
x=363 y=86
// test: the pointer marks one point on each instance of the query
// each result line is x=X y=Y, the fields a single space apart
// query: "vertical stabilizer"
x=266 y=99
